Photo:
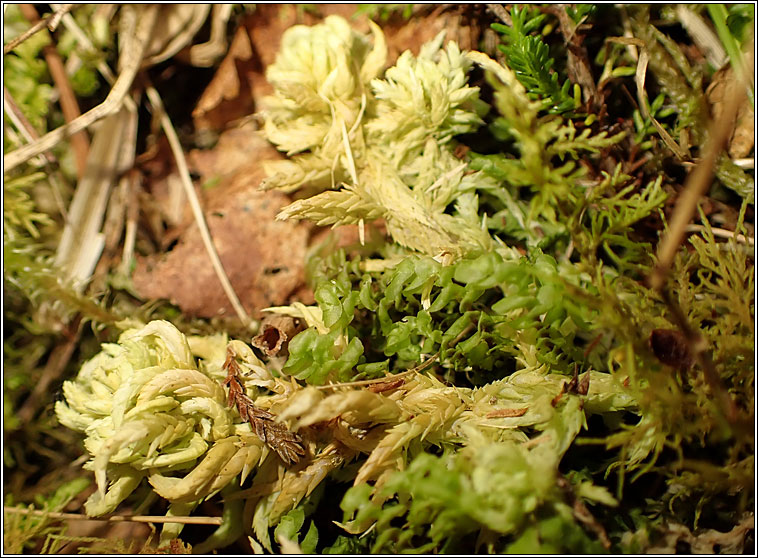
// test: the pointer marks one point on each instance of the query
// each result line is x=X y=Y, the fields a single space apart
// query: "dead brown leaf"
x=236 y=148
x=174 y=30
x=461 y=23
x=230 y=93
x=263 y=258
x=707 y=541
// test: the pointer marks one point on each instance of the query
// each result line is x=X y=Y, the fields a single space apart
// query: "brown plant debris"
x=288 y=445
x=742 y=137
x=507 y=413
x=670 y=347
x=263 y=258
x=276 y=331
x=574 y=386
x=389 y=385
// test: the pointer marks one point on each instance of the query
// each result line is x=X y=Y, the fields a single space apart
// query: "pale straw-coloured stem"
x=186 y=520
x=197 y=211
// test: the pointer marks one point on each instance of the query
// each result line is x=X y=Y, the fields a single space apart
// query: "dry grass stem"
x=189 y=189
x=186 y=520
x=68 y=102
x=501 y=13
x=722 y=233
x=46 y=159
x=50 y=21
x=131 y=60
x=697 y=183
x=702 y=35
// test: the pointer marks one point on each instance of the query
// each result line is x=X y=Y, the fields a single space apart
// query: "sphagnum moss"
x=476 y=379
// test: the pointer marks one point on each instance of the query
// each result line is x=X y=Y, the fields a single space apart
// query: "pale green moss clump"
x=149 y=411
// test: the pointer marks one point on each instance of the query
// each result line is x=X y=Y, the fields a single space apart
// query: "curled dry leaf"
x=234 y=87
x=276 y=331
x=240 y=80
x=708 y=541
x=457 y=21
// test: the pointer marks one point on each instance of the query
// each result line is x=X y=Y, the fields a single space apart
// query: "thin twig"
x=184 y=519
x=50 y=20
x=60 y=11
x=413 y=370
x=46 y=159
x=68 y=102
x=698 y=181
x=722 y=233
x=578 y=60
x=132 y=216
x=582 y=513
x=639 y=78
x=698 y=347
x=746 y=163
x=22 y=124
x=56 y=364
x=501 y=13
x=181 y=163
x=132 y=58
x=86 y=44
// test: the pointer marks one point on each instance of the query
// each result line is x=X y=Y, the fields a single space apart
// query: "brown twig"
x=50 y=21
x=47 y=159
x=69 y=104
x=501 y=13
x=184 y=519
x=698 y=181
x=579 y=68
x=56 y=363
x=19 y=119
x=582 y=513
x=698 y=348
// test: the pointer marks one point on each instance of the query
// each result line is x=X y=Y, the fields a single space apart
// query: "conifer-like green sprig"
x=529 y=57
